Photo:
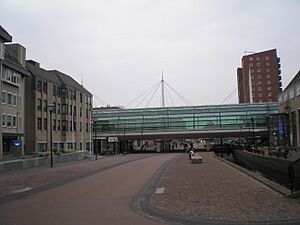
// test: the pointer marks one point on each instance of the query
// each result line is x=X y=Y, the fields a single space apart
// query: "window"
x=71 y=126
x=71 y=109
x=74 y=125
x=257 y=58
x=268 y=70
x=58 y=108
x=269 y=88
x=74 y=111
x=291 y=94
x=267 y=58
x=80 y=126
x=80 y=112
x=14 y=100
x=3 y=120
x=10 y=76
x=268 y=76
x=58 y=91
x=64 y=125
x=80 y=97
x=45 y=105
x=39 y=123
x=54 y=92
x=45 y=87
x=70 y=94
x=258 y=70
x=64 y=92
x=267 y=64
x=74 y=95
x=260 y=95
x=39 y=86
x=58 y=124
x=269 y=82
x=298 y=91
x=54 y=107
x=259 y=82
x=259 y=88
x=87 y=127
x=258 y=64
x=87 y=113
x=14 y=121
x=3 y=96
x=8 y=121
x=270 y=94
x=250 y=59
x=39 y=104
x=45 y=124
x=9 y=98
x=64 y=109
x=250 y=64
x=54 y=124
x=258 y=76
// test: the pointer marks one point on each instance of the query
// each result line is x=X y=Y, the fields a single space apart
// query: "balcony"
x=278 y=60
x=279 y=65
x=279 y=71
x=280 y=84
x=279 y=77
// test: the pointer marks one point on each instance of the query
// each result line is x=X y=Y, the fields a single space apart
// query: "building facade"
x=51 y=93
x=289 y=107
x=13 y=75
x=259 y=78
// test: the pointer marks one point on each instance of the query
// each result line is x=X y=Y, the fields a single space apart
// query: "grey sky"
x=120 y=47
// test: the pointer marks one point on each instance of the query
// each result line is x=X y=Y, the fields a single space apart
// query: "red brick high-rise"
x=264 y=68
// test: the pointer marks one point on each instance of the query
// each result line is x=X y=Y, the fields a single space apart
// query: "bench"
x=196 y=158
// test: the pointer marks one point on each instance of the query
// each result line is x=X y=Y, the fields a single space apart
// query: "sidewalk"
x=215 y=191
x=13 y=182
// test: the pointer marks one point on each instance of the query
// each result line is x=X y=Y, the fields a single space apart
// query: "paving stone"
x=216 y=191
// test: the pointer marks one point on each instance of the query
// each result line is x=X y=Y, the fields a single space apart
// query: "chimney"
x=18 y=52
x=35 y=63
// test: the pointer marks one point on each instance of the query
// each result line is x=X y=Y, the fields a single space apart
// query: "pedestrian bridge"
x=208 y=121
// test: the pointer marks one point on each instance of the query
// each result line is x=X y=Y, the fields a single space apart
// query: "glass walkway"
x=184 y=122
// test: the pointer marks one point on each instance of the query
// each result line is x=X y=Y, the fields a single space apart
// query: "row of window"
x=10 y=76
x=289 y=94
x=258 y=64
x=9 y=121
x=9 y=98
x=258 y=58
x=258 y=70
x=61 y=92
x=60 y=108
x=60 y=125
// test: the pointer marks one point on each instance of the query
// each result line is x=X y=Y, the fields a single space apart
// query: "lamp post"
x=51 y=108
x=253 y=134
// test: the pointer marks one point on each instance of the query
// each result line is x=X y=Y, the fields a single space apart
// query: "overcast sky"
x=119 y=48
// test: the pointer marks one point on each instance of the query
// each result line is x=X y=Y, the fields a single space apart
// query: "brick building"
x=12 y=83
x=289 y=107
x=262 y=71
x=71 y=117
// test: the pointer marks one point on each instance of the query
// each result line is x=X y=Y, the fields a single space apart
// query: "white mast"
x=162 y=90
x=250 y=87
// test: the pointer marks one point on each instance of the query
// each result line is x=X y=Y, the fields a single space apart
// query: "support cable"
x=176 y=92
x=152 y=96
x=168 y=94
x=148 y=94
x=148 y=90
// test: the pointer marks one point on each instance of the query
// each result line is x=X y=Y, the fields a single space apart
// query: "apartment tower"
x=259 y=78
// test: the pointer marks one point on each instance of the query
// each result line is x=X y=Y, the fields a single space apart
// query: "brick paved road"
x=216 y=191
x=42 y=176
x=102 y=198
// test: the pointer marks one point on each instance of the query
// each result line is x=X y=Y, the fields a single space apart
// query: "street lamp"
x=51 y=108
x=253 y=134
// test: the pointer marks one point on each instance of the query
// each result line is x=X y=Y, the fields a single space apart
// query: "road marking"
x=22 y=190
x=160 y=190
